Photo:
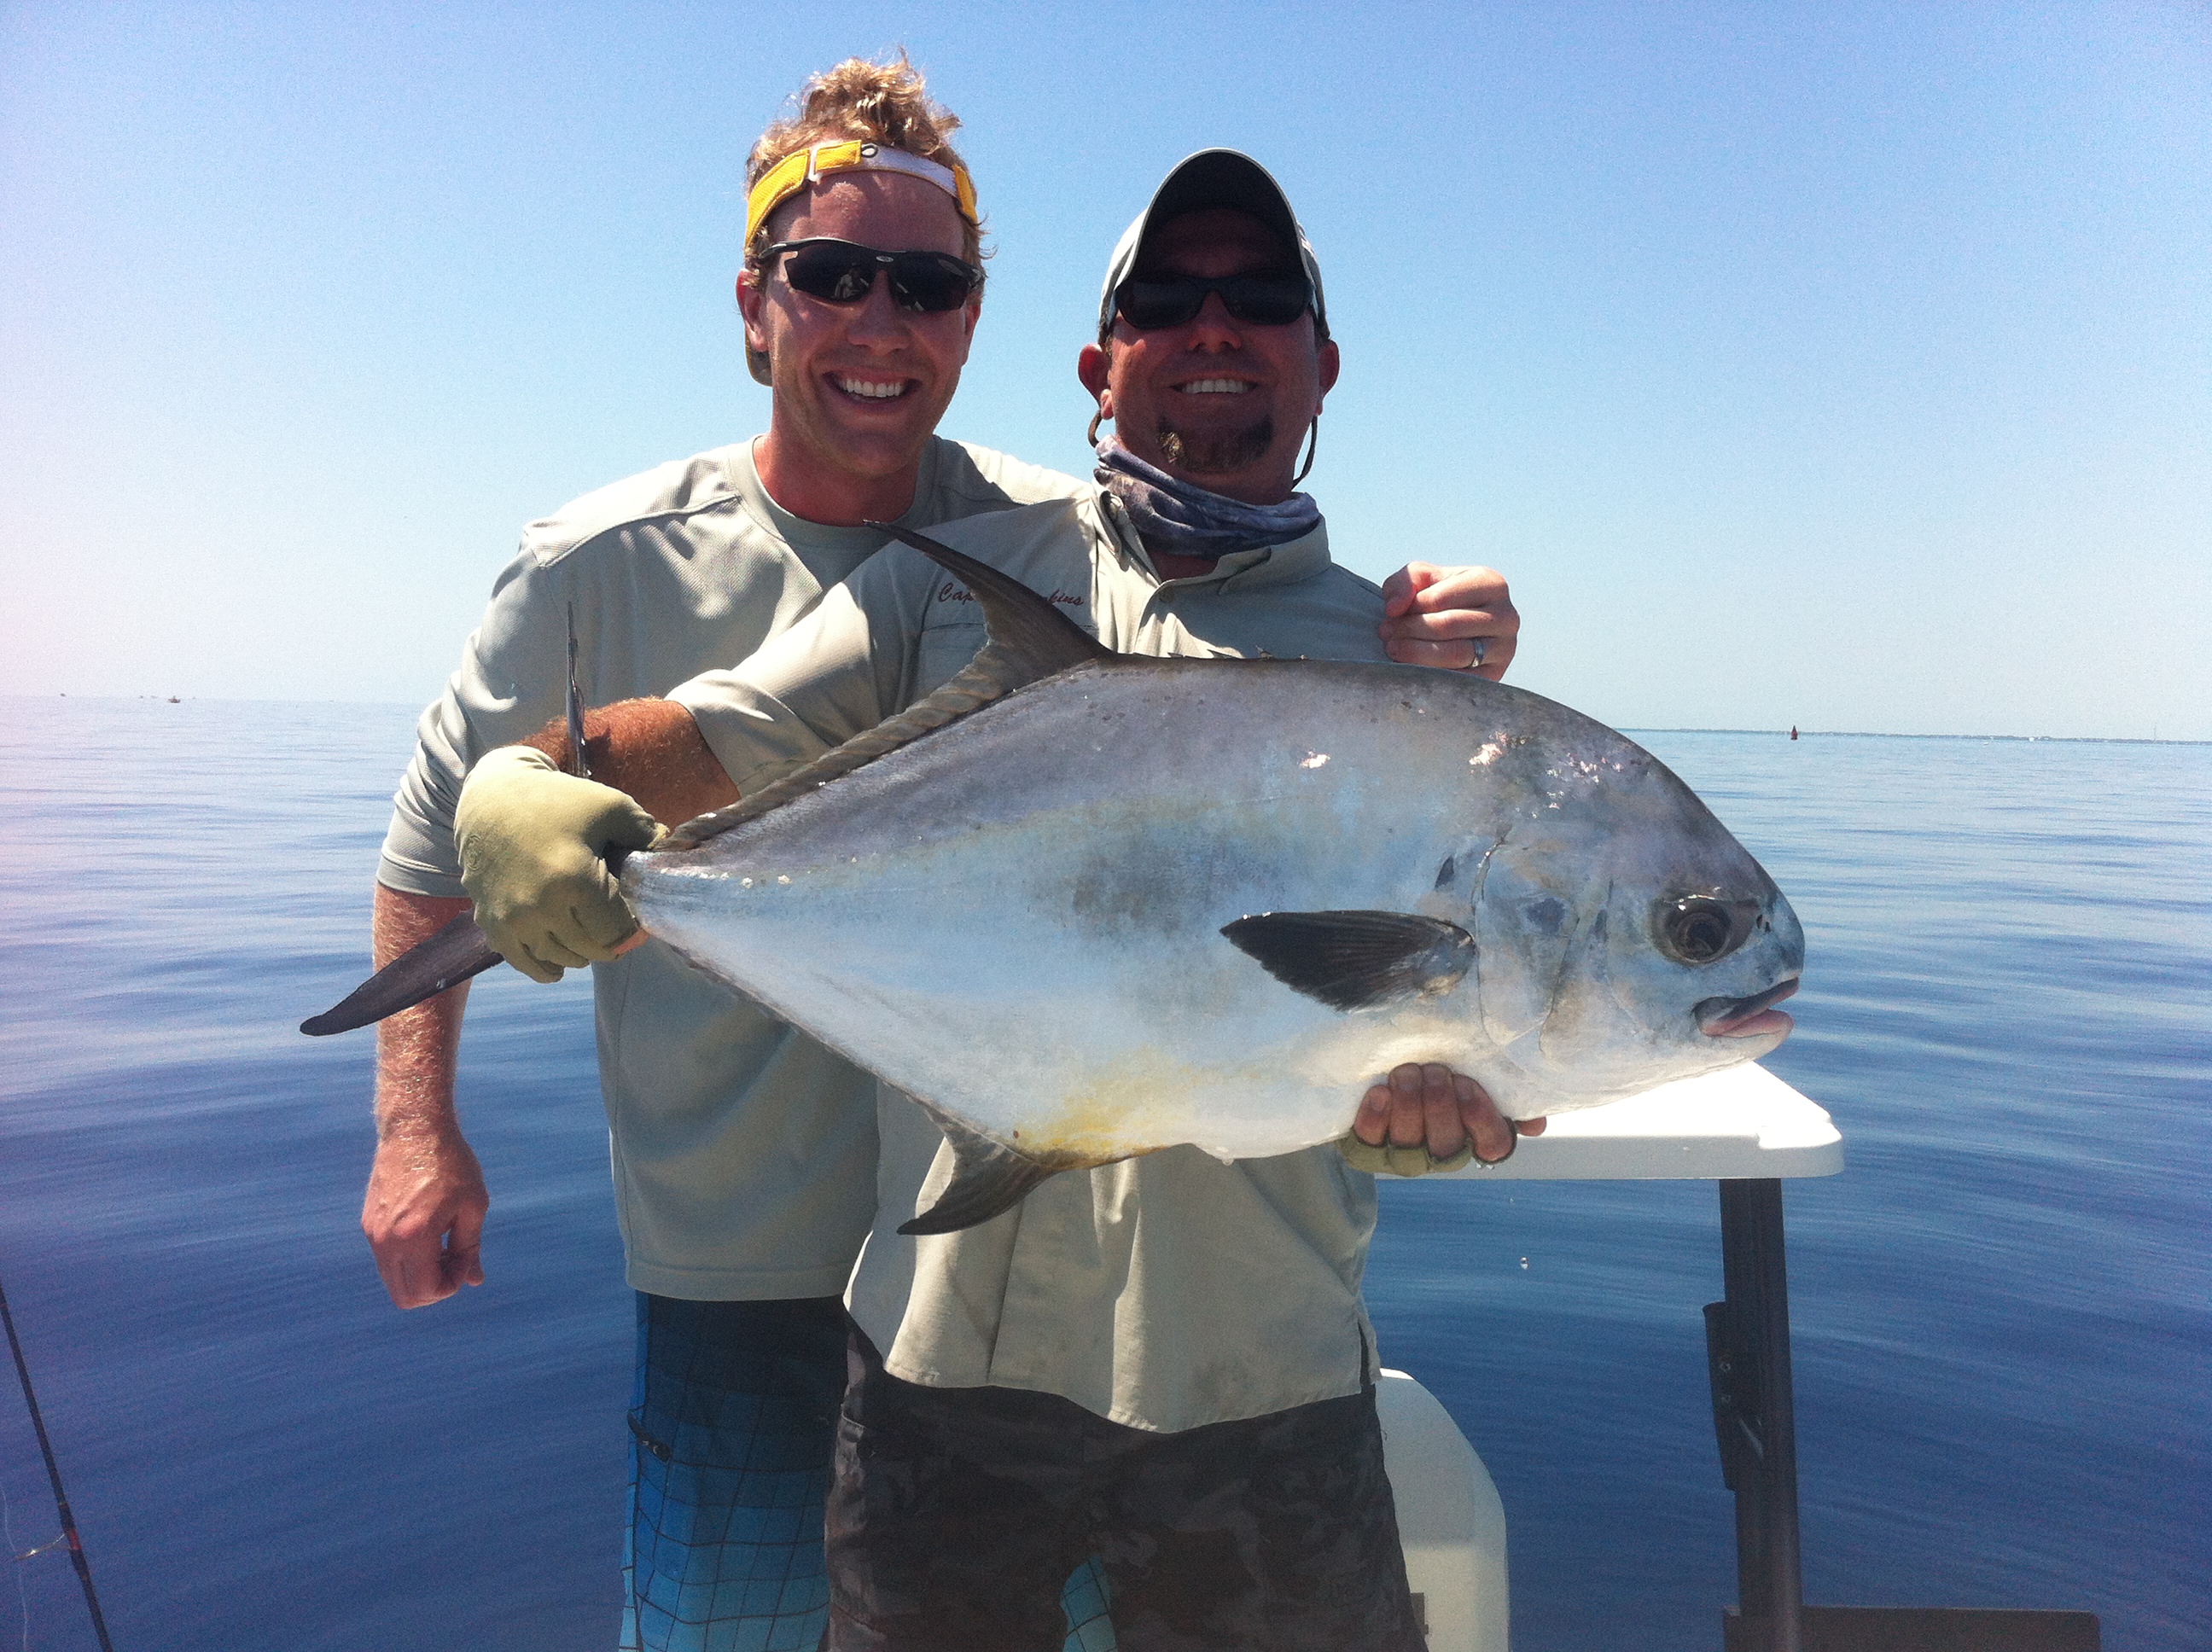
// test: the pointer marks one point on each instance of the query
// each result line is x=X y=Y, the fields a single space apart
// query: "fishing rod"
x=54 y=1474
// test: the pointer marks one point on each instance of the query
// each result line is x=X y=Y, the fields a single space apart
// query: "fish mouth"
x=1745 y=1018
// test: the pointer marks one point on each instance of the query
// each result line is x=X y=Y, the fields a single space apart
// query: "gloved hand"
x=530 y=839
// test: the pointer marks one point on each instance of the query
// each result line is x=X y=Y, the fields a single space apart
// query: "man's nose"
x=1214 y=328
x=877 y=319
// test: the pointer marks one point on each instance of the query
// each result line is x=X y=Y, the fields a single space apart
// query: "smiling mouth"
x=1217 y=387
x=1745 y=1018
x=871 y=390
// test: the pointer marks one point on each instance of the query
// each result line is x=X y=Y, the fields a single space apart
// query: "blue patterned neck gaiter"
x=1184 y=519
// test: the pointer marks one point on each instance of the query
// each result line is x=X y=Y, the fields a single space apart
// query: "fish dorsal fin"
x=1030 y=640
x=1357 y=960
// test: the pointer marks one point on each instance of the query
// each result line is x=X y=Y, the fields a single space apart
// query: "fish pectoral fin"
x=988 y=1178
x=1357 y=960
x=449 y=958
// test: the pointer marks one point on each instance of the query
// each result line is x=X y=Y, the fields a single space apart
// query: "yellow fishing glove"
x=530 y=839
x=1393 y=1161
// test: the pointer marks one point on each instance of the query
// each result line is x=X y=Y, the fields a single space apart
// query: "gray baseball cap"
x=1213 y=177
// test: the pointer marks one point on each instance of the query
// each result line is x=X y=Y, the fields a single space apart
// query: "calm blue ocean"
x=2004 y=1307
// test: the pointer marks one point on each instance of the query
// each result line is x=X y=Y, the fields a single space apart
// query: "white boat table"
x=1740 y=1123
x=1750 y=1131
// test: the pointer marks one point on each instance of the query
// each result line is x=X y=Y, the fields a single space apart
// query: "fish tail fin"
x=988 y=1178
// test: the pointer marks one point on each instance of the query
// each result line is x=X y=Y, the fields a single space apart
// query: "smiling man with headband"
x=744 y=1154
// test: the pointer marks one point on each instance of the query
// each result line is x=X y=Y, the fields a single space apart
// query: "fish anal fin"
x=1357 y=960
x=989 y=1177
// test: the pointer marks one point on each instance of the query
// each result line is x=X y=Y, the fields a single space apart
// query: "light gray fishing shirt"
x=1165 y=1291
x=744 y=1152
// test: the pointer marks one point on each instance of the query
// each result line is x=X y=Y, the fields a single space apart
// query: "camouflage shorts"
x=956 y=1515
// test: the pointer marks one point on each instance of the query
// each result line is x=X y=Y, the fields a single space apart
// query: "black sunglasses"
x=1146 y=302
x=842 y=272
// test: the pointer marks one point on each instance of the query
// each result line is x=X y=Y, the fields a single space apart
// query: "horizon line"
x=1778 y=733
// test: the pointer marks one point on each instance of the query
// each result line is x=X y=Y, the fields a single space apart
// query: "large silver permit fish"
x=1112 y=904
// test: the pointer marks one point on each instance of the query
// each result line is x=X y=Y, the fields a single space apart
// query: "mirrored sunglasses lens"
x=930 y=281
x=835 y=275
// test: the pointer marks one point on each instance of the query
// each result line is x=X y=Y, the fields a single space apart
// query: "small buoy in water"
x=1793 y=730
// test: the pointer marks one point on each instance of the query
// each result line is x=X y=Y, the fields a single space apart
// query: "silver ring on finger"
x=1481 y=651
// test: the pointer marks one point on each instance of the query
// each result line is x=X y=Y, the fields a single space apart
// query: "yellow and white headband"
x=795 y=172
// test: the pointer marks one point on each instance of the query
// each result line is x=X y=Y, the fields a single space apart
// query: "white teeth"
x=874 y=392
x=1215 y=387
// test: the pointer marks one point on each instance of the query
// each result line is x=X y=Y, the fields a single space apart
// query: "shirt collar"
x=798 y=533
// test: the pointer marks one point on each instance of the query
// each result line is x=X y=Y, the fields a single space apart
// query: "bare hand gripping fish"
x=1083 y=905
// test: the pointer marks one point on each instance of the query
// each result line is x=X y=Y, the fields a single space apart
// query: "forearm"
x=424 y=1209
x=417 y=1050
x=651 y=750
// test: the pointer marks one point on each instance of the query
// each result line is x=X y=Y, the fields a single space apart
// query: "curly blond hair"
x=886 y=103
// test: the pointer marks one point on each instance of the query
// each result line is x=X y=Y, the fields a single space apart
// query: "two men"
x=1163 y=1362
x=744 y=1155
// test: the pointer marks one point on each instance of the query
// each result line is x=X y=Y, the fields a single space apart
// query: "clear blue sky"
x=1840 y=365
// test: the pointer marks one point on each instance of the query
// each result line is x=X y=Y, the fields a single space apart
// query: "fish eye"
x=1698 y=929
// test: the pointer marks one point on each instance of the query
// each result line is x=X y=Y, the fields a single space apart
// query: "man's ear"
x=1327 y=358
x=751 y=298
x=1093 y=366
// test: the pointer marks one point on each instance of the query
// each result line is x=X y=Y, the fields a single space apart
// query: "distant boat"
x=175 y=701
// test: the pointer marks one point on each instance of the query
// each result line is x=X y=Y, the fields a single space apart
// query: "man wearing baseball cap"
x=1163 y=1362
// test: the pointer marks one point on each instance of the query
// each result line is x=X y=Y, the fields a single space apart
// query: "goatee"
x=1216 y=455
